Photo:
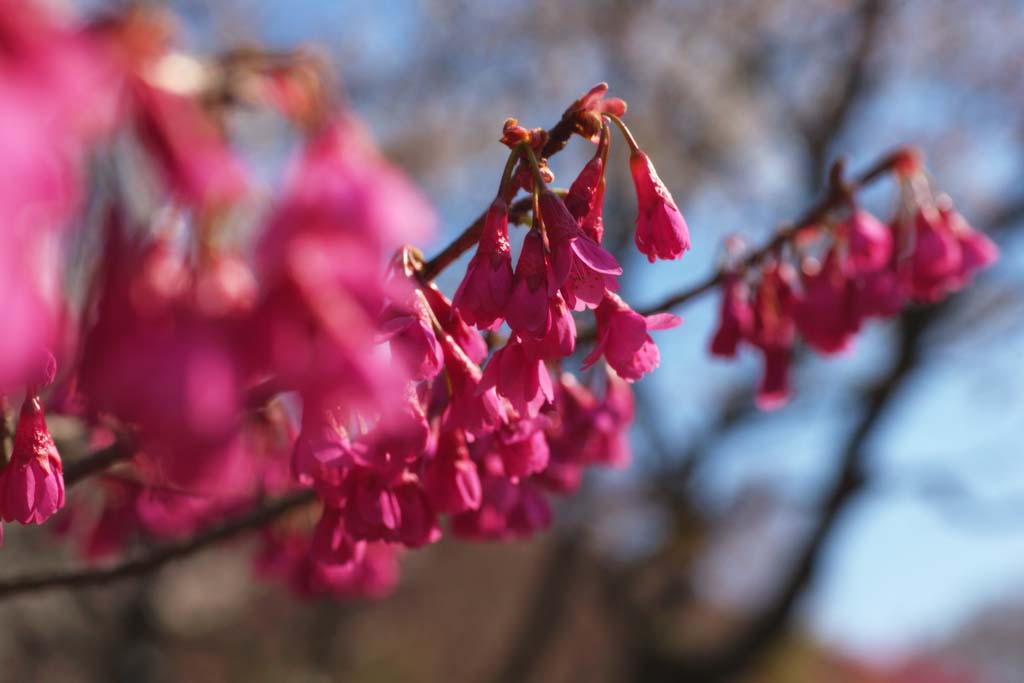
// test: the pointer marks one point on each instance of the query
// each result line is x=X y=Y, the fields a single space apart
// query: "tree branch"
x=36 y=581
x=835 y=195
x=767 y=626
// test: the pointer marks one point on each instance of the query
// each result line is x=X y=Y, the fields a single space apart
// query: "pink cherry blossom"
x=736 y=317
x=623 y=339
x=661 y=231
x=518 y=376
x=870 y=243
x=485 y=289
x=826 y=311
x=32 y=483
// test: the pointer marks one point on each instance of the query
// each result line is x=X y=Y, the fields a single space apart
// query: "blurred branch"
x=35 y=581
x=97 y=461
x=543 y=615
x=764 y=629
x=852 y=79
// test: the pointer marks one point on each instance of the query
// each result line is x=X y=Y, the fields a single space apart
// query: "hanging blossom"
x=850 y=270
x=328 y=362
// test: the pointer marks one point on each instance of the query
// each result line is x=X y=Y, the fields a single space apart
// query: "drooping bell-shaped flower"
x=518 y=376
x=661 y=231
x=870 y=243
x=936 y=263
x=623 y=339
x=450 y=478
x=470 y=406
x=32 y=483
x=580 y=266
x=735 y=318
x=774 y=332
x=412 y=339
x=826 y=311
x=452 y=322
x=527 y=312
x=977 y=251
x=186 y=146
x=485 y=289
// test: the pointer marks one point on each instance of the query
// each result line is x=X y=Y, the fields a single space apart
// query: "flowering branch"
x=836 y=194
x=557 y=138
x=35 y=581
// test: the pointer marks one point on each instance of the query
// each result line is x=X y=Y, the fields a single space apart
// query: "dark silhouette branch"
x=765 y=628
x=36 y=581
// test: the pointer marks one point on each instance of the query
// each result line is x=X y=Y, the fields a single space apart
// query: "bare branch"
x=36 y=581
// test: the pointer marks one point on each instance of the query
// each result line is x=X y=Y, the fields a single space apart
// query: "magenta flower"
x=527 y=310
x=470 y=406
x=774 y=332
x=344 y=212
x=452 y=322
x=187 y=147
x=661 y=231
x=332 y=544
x=487 y=285
x=935 y=267
x=32 y=483
x=154 y=359
x=508 y=510
x=826 y=312
x=450 y=478
x=977 y=251
x=736 y=317
x=560 y=341
x=869 y=243
x=880 y=294
x=580 y=266
x=586 y=198
x=518 y=376
x=521 y=446
x=623 y=339
x=773 y=390
x=413 y=342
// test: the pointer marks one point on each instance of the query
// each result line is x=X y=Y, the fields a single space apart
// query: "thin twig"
x=35 y=581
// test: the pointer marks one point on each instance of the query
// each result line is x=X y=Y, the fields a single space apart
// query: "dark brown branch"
x=154 y=559
x=97 y=461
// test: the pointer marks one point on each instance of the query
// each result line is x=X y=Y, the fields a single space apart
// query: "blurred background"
x=872 y=530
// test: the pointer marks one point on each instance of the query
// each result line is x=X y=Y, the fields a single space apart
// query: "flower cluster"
x=842 y=272
x=230 y=342
x=231 y=349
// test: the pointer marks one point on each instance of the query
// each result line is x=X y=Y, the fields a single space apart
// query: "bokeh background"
x=873 y=530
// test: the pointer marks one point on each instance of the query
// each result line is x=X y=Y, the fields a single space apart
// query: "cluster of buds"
x=842 y=271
